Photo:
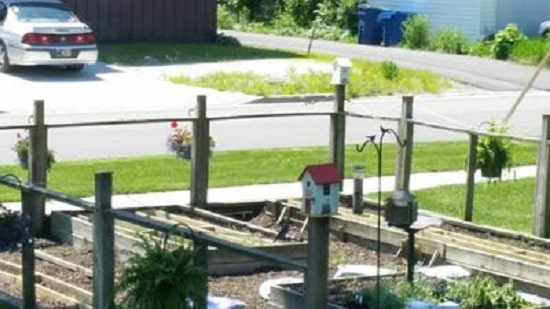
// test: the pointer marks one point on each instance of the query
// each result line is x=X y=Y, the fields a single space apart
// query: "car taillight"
x=44 y=39
x=36 y=38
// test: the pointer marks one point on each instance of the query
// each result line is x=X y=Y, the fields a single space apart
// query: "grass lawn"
x=504 y=204
x=368 y=78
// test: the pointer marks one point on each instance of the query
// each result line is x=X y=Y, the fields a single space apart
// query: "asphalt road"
x=485 y=73
x=103 y=93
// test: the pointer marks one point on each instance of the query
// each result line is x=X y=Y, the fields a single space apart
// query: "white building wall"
x=527 y=14
x=463 y=15
x=488 y=17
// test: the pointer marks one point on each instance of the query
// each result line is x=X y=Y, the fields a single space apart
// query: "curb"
x=306 y=98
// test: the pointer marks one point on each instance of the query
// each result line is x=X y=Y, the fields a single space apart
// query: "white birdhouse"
x=341 y=71
x=321 y=189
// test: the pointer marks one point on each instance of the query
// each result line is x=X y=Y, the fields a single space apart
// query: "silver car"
x=43 y=32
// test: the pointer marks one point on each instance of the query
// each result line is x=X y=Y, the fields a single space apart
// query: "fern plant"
x=162 y=277
x=493 y=153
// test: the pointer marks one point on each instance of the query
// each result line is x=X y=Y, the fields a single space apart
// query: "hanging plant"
x=493 y=153
x=164 y=276
x=21 y=148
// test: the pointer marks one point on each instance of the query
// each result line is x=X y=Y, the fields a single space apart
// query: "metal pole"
x=358 y=173
x=27 y=252
x=200 y=155
x=470 y=178
x=38 y=165
x=317 y=263
x=103 y=243
x=338 y=130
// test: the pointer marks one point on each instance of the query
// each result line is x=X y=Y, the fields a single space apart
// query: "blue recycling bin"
x=392 y=26
x=369 y=28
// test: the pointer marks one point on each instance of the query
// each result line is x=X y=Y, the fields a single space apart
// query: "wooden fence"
x=149 y=20
x=34 y=193
x=406 y=123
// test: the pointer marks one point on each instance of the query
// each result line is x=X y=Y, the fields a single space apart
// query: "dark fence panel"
x=149 y=20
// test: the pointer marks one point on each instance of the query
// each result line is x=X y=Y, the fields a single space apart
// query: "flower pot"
x=184 y=152
x=23 y=161
x=491 y=171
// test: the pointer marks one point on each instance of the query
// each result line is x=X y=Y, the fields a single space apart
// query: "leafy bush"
x=505 y=40
x=223 y=39
x=389 y=70
x=481 y=48
x=530 y=51
x=225 y=19
x=415 y=32
x=483 y=292
x=450 y=41
x=162 y=277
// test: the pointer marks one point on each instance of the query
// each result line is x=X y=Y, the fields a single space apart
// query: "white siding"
x=527 y=14
x=488 y=17
x=462 y=15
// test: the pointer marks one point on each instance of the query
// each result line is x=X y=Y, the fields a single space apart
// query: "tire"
x=75 y=67
x=4 y=59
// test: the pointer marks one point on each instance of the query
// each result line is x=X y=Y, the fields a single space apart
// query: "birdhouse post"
x=321 y=190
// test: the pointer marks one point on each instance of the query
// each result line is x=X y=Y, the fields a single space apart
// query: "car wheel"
x=75 y=67
x=4 y=60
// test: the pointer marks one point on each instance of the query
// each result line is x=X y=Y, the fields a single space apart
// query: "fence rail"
x=34 y=194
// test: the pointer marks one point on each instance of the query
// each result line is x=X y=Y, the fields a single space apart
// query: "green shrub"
x=415 y=32
x=389 y=70
x=483 y=292
x=505 y=40
x=223 y=39
x=225 y=19
x=530 y=51
x=162 y=277
x=450 y=41
x=481 y=48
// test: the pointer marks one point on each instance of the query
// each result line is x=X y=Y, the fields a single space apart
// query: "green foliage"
x=225 y=19
x=450 y=41
x=366 y=79
x=388 y=299
x=481 y=48
x=505 y=41
x=22 y=147
x=530 y=51
x=415 y=32
x=162 y=277
x=303 y=11
x=493 y=153
x=390 y=71
x=482 y=292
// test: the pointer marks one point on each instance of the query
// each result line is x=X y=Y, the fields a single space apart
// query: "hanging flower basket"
x=493 y=153
x=21 y=148
x=180 y=141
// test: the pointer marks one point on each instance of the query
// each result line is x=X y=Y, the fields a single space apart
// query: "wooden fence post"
x=200 y=155
x=27 y=252
x=38 y=166
x=317 y=263
x=403 y=155
x=201 y=259
x=541 y=215
x=338 y=130
x=470 y=177
x=103 y=243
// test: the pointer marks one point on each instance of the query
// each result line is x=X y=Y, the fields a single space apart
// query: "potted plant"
x=162 y=276
x=21 y=148
x=493 y=153
x=180 y=141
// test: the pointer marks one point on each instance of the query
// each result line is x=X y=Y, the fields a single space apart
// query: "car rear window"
x=43 y=12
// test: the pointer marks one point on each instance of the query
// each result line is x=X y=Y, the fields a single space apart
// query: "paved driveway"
x=480 y=72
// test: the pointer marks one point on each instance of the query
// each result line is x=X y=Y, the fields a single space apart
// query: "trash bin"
x=392 y=26
x=369 y=29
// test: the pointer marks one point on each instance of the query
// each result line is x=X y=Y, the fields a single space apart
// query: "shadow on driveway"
x=61 y=74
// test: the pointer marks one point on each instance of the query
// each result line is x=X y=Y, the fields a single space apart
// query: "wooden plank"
x=58 y=261
x=541 y=216
x=403 y=164
x=337 y=134
x=200 y=156
x=470 y=178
